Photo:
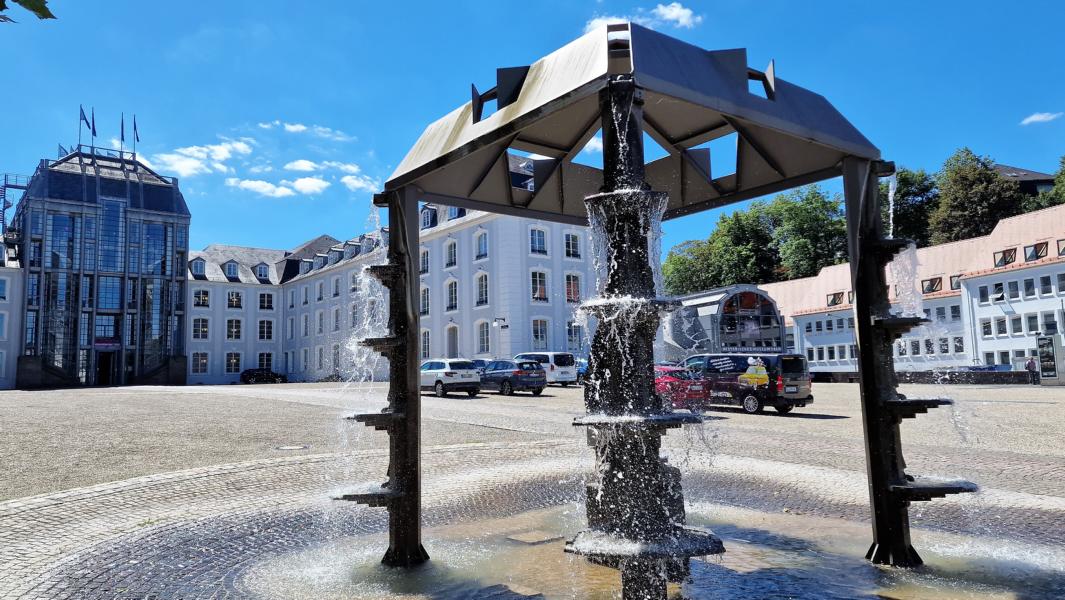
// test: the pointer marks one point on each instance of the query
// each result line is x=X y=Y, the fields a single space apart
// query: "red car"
x=680 y=387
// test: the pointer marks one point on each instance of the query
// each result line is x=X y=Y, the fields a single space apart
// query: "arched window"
x=451 y=254
x=482 y=245
x=452 y=295
x=423 y=262
x=425 y=344
x=482 y=289
x=537 y=241
x=423 y=309
x=483 y=337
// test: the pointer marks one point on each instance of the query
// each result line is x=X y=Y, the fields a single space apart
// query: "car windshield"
x=530 y=366
x=461 y=364
x=564 y=360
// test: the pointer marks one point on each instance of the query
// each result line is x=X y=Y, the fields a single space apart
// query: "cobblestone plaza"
x=187 y=492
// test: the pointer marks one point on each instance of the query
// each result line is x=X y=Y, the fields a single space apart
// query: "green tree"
x=37 y=7
x=809 y=231
x=972 y=198
x=916 y=198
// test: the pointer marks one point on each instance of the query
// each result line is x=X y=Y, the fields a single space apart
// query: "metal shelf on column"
x=384 y=345
x=898 y=325
x=923 y=489
x=908 y=408
x=382 y=421
x=388 y=274
x=376 y=499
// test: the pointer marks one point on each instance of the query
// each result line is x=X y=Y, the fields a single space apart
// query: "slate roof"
x=217 y=255
x=1019 y=174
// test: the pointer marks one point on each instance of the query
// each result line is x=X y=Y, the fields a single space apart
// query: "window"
x=425 y=344
x=201 y=299
x=1033 y=323
x=537 y=241
x=262 y=272
x=901 y=348
x=810 y=354
x=482 y=289
x=931 y=286
x=989 y=358
x=539 y=334
x=231 y=270
x=266 y=361
x=197 y=269
x=818 y=326
x=321 y=322
x=820 y=353
x=305 y=329
x=1013 y=290
x=233 y=329
x=1035 y=251
x=200 y=328
x=959 y=344
x=1016 y=325
x=1000 y=325
x=915 y=347
x=336 y=287
x=854 y=351
x=423 y=262
x=1061 y=283
x=850 y=297
x=574 y=337
x=1004 y=357
x=454 y=212
x=306 y=293
x=336 y=318
x=290 y=328
x=573 y=245
x=850 y=322
x=1029 y=288
x=1050 y=323
x=828 y=325
x=321 y=358
x=321 y=291
x=199 y=363
x=831 y=353
x=955 y=282
x=452 y=295
x=232 y=362
x=292 y=299
x=839 y=324
x=482 y=245
x=483 y=334
x=573 y=288
x=266 y=302
x=539 y=286
x=809 y=327
x=984 y=299
x=929 y=347
x=1005 y=257
x=423 y=309
x=266 y=331
x=336 y=359
x=941 y=313
x=997 y=293
x=1044 y=285
x=835 y=299
x=234 y=300
x=427 y=218
x=451 y=254
x=108 y=293
x=303 y=362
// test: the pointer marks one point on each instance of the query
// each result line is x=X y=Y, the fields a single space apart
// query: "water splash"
x=892 y=186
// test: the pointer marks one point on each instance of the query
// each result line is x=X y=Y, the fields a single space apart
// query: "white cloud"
x=310 y=185
x=301 y=165
x=264 y=188
x=352 y=168
x=269 y=124
x=116 y=143
x=260 y=169
x=1041 y=117
x=594 y=145
x=197 y=160
x=677 y=14
x=331 y=134
x=357 y=183
x=295 y=127
x=673 y=14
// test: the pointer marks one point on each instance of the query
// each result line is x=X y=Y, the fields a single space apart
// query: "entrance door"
x=452 y=342
x=105 y=368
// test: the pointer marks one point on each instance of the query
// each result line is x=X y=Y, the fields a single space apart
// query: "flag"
x=93 y=127
x=84 y=119
x=62 y=151
x=122 y=131
x=136 y=135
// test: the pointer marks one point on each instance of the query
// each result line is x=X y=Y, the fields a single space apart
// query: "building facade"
x=101 y=241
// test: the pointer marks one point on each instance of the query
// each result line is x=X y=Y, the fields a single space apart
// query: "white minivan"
x=445 y=375
x=561 y=367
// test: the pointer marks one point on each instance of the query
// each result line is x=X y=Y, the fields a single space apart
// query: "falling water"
x=892 y=185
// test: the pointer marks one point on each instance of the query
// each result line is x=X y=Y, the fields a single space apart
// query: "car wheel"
x=505 y=388
x=439 y=390
x=784 y=408
x=472 y=393
x=752 y=405
x=538 y=391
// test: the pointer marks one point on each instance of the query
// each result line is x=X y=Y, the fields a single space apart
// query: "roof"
x=217 y=255
x=790 y=137
x=1019 y=174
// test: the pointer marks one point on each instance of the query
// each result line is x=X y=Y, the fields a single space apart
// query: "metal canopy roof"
x=550 y=109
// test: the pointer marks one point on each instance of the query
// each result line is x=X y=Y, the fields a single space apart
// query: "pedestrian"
x=1033 y=371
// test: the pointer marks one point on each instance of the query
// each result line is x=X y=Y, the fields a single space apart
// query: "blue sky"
x=280 y=118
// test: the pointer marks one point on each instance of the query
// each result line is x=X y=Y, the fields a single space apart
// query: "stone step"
x=923 y=489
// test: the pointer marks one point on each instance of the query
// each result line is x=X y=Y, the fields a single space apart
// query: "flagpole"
x=82 y=109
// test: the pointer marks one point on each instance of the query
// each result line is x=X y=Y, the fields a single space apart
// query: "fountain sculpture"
x=627 y=81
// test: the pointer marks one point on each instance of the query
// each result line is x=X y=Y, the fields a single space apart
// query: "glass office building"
x=103 y=242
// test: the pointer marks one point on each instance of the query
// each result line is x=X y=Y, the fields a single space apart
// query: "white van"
x=561 y=367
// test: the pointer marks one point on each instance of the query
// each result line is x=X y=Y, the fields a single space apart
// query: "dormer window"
x=305 y=267
x=428 y=217
x=931 y=286
x=231 y=270
x=262 y=271
x=454 y=212
x=198 y=266
x=1005 y=257
x=835 y=299
x=955 y=282
x=1035 y=251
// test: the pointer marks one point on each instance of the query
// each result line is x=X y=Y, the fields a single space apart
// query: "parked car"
x=261 y=376
x=446 y=375
x=754 y=381
x=509 y=376
x=582 y=370
x=561 y=367
x=680 y=387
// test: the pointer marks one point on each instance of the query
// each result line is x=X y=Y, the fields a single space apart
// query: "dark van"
x=754 y=380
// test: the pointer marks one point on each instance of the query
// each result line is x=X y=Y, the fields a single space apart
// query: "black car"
x=262 y=376
x=509 y=376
